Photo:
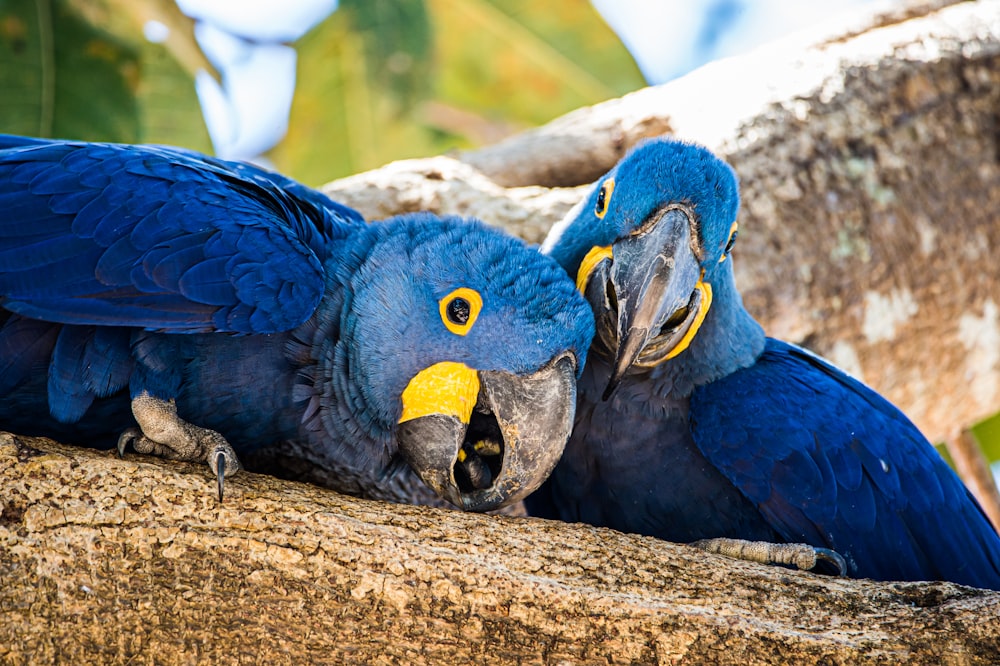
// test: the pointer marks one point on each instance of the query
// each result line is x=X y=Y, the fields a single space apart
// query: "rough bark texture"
x=108 y=561
x=870 y=171
x=871 y=185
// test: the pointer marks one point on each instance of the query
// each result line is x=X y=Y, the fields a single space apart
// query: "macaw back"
x=227 y=308
x=834 y=463
x=81 y=325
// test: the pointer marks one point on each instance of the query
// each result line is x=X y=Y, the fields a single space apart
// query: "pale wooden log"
x=104 y=561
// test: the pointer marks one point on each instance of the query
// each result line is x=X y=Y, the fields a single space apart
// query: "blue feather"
x=25 y=348
x=68 y=395
x=166 y=204
x=751 y=437
x=107 y=361
x=264 y=310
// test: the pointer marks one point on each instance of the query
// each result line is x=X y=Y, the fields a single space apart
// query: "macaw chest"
x=632 y=464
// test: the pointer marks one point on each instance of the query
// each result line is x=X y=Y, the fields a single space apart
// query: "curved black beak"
x=656 y=278
x=513 y=440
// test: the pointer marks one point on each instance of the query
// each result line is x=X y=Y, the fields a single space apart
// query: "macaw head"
x=646 y=247
x=466 y=344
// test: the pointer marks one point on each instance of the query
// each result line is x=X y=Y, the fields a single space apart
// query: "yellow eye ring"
x=733 y=233
x=459 y=310
x=604 y=198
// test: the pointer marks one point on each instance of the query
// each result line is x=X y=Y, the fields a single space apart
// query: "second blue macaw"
x=691 y=424
x=202 y=309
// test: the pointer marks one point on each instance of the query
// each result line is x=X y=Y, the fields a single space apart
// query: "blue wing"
x=159 y=238
x=830 y=462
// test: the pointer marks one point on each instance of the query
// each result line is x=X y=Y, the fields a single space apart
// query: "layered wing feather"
x=830 y=462
x=159 y=238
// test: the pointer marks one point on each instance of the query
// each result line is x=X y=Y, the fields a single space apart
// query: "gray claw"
x=223 y=461
x=834 y=558
x=127 y=437
x=220 y=471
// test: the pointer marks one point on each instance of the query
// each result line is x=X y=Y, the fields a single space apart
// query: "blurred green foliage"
x=988 y=434
x=81 y=69
x=378 y=80
x=382 y=80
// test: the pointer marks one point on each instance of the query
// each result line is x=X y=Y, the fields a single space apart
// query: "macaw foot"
x=162 y=433
x=800 y=555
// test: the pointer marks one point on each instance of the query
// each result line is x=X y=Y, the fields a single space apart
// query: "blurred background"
x=319 y=89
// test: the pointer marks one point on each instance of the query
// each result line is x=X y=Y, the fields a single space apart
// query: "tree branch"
x=109 y=561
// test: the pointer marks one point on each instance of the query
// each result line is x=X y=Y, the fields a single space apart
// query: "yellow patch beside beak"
x=699 y=318
x=596 y=255
x=446 y=388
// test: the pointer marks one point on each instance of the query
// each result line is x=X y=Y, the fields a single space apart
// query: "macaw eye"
x=459 y=310
x=604 y=197
x=733 y=233
x=732 y=241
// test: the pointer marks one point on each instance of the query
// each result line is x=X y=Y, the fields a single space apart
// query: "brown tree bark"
x=133 y=561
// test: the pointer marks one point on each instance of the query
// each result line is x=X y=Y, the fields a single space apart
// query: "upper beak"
x=661 y=299
x=503 y=449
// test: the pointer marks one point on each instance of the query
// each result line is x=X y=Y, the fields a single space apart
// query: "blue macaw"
x=692 y=425
x=187 y=305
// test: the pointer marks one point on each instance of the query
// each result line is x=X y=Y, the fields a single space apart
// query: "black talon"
x=124 y=440
x=834 y=558
x=220 y=470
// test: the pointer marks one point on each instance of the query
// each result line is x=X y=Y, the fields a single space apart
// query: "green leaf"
x=396 y=35
x=493 y=68
x=342 y=119
x=168 y=106
x=528 y=61
x=63 y=76
x=379 y=80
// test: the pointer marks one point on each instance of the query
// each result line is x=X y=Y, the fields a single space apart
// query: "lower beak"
x=505 y=447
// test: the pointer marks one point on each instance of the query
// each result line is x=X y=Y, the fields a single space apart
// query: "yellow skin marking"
x=604 y=198
x=487 y=447
x=706 y=303
x=483 y=447
x=596 y=255
x=447 y=388
x=475 y=305
x=732 y=230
